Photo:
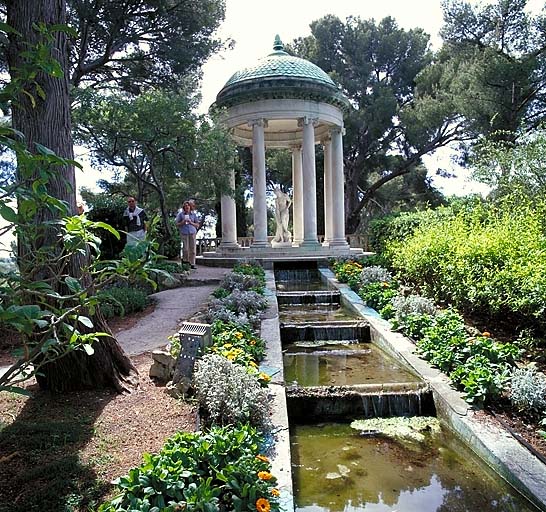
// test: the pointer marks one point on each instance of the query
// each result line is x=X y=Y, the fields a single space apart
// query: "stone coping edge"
x=281 y=462
x=496 y=447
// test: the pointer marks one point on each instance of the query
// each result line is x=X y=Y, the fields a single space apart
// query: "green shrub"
x=123 y=300
x=171 y=266
x=251 y=269
x=378 y=295
x=238 y=336
x=490 y=260
x=412 y=315
x=400 y=226
x=348 y=271
x=220 y=293
x=168 y=244
x=480 y=379
x=478 y=365
x=443 y=342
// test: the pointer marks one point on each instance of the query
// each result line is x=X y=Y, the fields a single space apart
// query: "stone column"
x=258 y=181
x=309 y=185
x=338 y=198
x=297 y=202
x=327 y=192
x=229 y=216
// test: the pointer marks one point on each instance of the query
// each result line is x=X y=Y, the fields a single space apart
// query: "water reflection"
x=336 y=469
x=340 y=365
x=313 y=313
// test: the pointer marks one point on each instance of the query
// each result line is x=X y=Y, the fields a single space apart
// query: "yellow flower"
x=264 y=475
x=263 y=376
x=275 y=492
x=263 y=458
x=238 y=335
x=228 y=345
x=486 y=334
x=253 y=364
x=263 y=505
x=252 y=342
x=384 y=284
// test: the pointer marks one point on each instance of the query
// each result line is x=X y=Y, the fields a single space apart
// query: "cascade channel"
x=333 y=375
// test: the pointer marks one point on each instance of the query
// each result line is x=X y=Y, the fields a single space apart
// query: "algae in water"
x=408 y=430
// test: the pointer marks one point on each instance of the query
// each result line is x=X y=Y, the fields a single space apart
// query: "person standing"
x=187 y=223
x=135 y=221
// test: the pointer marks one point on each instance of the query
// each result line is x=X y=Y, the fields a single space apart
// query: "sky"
x=254 y=24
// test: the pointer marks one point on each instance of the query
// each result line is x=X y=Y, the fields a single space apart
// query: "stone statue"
x=282 y=205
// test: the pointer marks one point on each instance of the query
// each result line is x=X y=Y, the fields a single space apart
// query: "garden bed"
x=62 y=452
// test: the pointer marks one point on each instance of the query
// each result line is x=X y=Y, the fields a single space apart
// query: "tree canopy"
x=390 y=127
x=493 y=66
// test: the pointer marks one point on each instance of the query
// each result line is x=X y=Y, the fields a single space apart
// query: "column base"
x=310 y=243
x=260 y=244
x=229 y=245
x=326 y=243
x=338 y=242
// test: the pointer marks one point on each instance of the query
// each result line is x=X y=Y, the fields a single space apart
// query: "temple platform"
x=266 y=256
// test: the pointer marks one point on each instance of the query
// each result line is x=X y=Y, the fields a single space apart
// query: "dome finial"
x=277 y=45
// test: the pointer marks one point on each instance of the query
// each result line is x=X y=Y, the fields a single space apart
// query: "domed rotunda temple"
x=287 y=102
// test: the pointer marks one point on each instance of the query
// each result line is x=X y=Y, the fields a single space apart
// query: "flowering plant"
x=348 y=271
x=213 y=471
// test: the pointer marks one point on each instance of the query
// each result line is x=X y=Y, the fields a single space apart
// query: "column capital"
x=257 y=122
x=337 y=130
x=326 y=141
x=308 y=120
x=295 y=147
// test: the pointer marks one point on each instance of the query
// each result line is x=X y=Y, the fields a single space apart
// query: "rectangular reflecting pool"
x=314 y=313
x=338 y=364
x=337 y=469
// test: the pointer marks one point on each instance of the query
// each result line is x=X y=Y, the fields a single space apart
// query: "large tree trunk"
x=48 y=123
x=352 y=213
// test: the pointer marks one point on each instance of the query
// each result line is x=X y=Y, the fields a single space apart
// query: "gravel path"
x=172 y=307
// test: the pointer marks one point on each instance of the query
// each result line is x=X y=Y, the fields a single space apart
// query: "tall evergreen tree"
x=390 y=128
x=493 y=67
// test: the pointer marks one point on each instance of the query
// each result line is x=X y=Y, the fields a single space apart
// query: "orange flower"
x=263 y=505
x=263 y=458
x=275 y=492
x=264 y=475
x=486 y=334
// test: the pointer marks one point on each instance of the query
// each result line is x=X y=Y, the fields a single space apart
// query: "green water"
x=336 y=469
x=336 y=364
x=289 y=313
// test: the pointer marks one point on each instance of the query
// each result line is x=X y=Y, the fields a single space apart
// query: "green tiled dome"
x=280 y=75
